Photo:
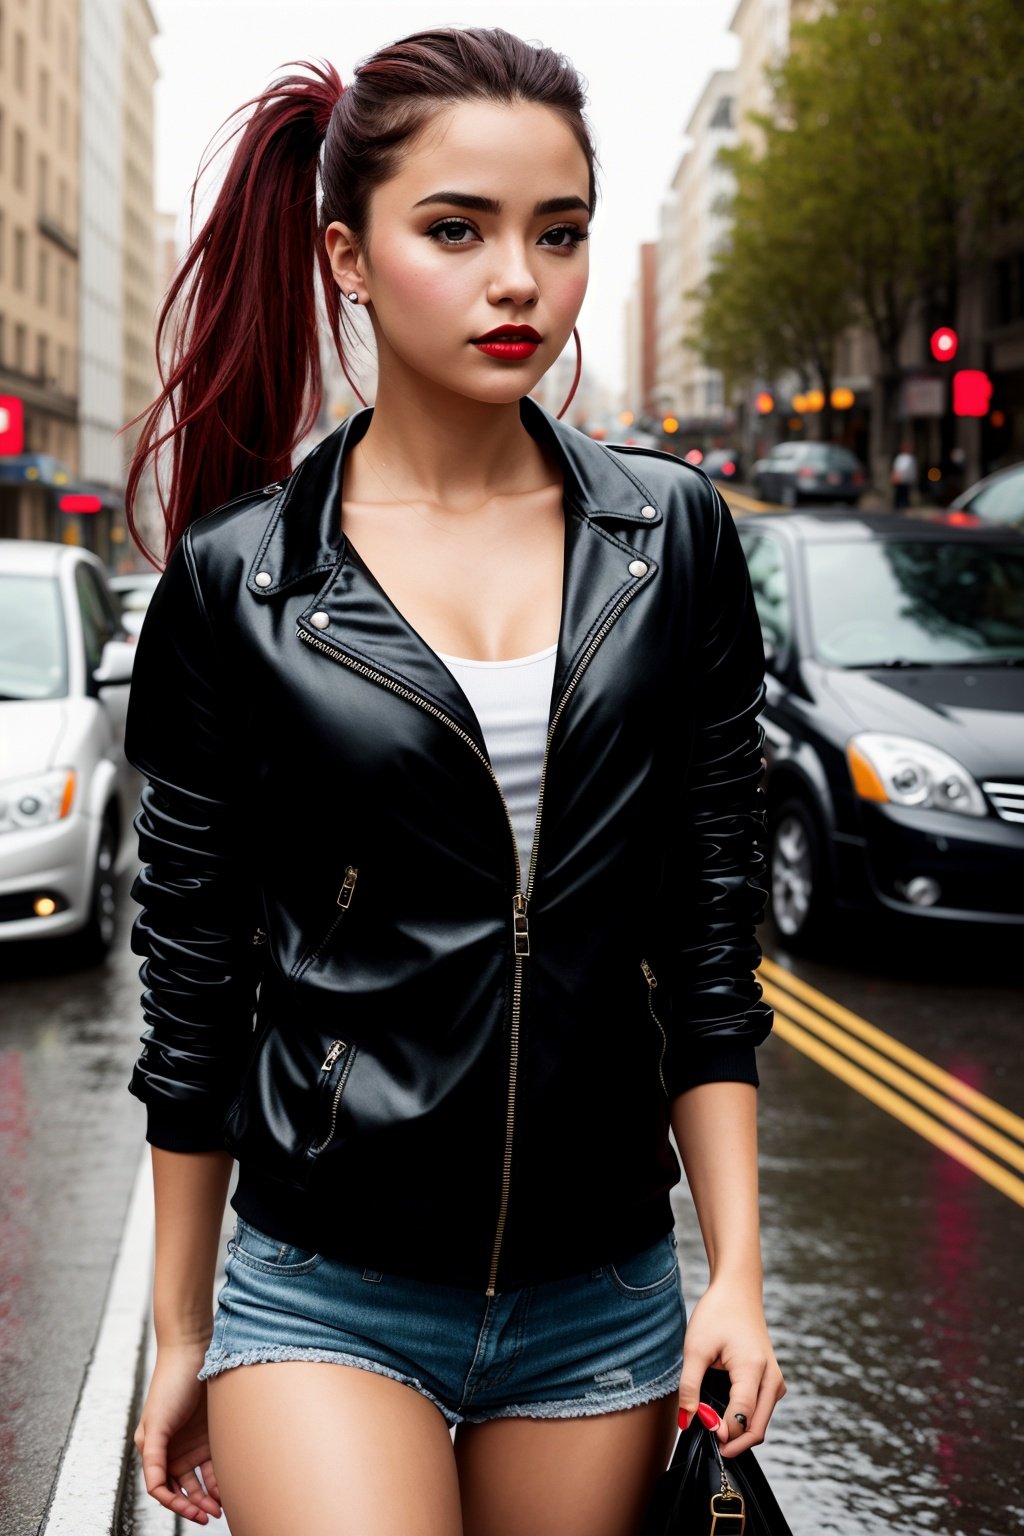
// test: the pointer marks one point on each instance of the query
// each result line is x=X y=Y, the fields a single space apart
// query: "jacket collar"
x=603 y=570
x=303 y=534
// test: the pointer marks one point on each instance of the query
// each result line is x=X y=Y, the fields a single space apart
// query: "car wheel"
x=92 y=943
x=800 y=900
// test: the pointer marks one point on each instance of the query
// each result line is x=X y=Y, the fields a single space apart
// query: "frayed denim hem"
x=590 y=1404
x=222 y=1361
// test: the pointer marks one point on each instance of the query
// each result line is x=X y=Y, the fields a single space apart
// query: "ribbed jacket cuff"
x=177 y=1129
x=728 y=1063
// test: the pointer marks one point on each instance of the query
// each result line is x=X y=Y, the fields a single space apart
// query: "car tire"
x=800 y=898
x=91 y=944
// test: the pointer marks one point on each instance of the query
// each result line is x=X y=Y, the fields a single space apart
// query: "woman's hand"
x=726 y=1331
x=172 y=1437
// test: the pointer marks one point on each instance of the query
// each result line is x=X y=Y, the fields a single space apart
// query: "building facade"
x=39 y=261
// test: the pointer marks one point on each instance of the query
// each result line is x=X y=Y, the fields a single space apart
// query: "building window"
x=19 y=60
x=62 y=122
x=45 y=17
x=65 y=45
x=20 y=247
x=3 y=139
x=43 y=276
x=62 y=369
x=42 y=358
x=43 y=176
x=62 y=290
x=20 y=342
x=3 y=338
x=19 y=159
x=44 y=97
x=62 y=203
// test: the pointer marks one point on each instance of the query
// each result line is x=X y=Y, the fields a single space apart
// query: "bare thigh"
x=330 y=1450
x=563 y=1477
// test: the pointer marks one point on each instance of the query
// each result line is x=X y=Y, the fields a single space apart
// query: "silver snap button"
x=263 y=578
x=648 y=511
x=638 y=567
x=320 y=619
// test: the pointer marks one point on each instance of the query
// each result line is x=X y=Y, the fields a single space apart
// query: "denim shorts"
x=594 y=1342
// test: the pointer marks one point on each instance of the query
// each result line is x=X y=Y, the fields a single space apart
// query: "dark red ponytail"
x=243 y=378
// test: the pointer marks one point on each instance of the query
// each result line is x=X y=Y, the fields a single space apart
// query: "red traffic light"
x=12 y=424
x=944 y=343
x=80 y=504
x=972 y=392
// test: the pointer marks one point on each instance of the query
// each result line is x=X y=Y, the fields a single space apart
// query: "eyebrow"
x=492 y=205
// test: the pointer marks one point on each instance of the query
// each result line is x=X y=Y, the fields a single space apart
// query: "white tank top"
x=512 y=701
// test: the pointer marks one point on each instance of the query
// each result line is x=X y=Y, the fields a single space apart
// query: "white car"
x=68 y=795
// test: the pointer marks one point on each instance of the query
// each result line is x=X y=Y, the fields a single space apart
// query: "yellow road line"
x=953 y=1086
x=962 y=1119
x=948 y=1141
x=739 y=501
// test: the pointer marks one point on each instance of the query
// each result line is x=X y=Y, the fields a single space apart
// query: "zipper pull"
x=259 y=937
x=337 y=1049
x=520 y=925
x=652 y=980
x=348 y=885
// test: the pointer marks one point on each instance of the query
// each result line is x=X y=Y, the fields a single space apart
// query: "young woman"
x=449 y=840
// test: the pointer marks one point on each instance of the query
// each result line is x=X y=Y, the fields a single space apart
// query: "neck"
x=434 y=445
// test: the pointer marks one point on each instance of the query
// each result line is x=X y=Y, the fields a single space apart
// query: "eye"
x=574 y=233
x=454 y=227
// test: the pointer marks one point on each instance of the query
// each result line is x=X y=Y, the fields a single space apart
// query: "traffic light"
x=944 y=343
x=972 y=392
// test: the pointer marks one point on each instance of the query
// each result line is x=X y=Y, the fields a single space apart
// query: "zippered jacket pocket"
x=334 y=1075
x=652 y=984
x=343 y=902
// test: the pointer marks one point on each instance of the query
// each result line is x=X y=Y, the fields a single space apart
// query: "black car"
x=999 y=498
x=797 y=471
x=722 y=464
x=894 y=718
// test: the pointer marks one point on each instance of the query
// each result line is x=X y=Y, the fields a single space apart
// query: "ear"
x=346 y=260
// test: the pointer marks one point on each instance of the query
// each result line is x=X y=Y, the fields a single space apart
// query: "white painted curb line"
x=88 y=1491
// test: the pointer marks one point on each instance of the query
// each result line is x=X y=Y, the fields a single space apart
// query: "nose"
x=512 y=278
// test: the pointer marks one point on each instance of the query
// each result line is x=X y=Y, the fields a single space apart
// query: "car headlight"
x=903 y=771
x=37 y=799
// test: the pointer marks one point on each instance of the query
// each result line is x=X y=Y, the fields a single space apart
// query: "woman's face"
x=482 y=226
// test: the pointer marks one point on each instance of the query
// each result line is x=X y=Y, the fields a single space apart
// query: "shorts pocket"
x=647 y=1273
x=260 y=1251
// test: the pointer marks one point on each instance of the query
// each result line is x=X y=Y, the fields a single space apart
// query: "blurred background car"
x=999 y=498
x=795 y=472
x=133 y=591
x=722 y=464
x=894 y=718
x=67 y=793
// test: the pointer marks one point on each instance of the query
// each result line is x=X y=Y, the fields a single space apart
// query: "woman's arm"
x=715 y=1126
x=190 y=1190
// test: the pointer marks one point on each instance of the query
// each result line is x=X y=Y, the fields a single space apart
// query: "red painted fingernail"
x=707 y=1415
x=684 y=1418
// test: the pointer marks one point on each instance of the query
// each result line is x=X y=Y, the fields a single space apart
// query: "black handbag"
x=702 y=1494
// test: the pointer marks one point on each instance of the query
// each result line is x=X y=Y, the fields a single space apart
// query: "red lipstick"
x=513 y=343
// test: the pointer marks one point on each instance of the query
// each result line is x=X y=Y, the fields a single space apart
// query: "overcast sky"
x=646 y=62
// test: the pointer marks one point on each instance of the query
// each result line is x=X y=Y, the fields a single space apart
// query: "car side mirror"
x=115 y=664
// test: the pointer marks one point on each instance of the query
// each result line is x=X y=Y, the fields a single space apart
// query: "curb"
x=95 y=1475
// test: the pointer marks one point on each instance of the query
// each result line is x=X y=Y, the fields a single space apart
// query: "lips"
x=517 y=333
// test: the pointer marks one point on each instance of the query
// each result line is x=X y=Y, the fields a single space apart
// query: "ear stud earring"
x=353 y=298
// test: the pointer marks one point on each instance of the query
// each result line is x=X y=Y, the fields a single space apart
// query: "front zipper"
x=344 y=901
x=652 y=982
x=520 y=901
x=338 y=1048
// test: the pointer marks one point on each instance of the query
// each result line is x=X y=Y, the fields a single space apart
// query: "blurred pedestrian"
x=472 y=1036
x=903 y=476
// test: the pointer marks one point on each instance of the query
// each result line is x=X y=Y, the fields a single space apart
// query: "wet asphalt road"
x=893 y=1275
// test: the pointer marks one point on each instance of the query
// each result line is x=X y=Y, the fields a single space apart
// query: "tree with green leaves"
x=895 y=148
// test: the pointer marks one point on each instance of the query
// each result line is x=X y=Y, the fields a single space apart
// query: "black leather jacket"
x=425 y=1058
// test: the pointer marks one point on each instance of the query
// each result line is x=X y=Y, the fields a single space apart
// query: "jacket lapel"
x=355 y=616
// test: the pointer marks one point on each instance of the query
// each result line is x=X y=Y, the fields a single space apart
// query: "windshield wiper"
x=987 y=661
x=893 y=661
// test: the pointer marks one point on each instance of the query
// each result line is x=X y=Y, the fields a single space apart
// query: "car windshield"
x=1002 y=500
x=33 y=649
x=828 y=454
x=918 y=602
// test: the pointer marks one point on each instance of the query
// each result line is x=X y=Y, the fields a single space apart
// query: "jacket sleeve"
x=719 y=880
x=194 y=928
